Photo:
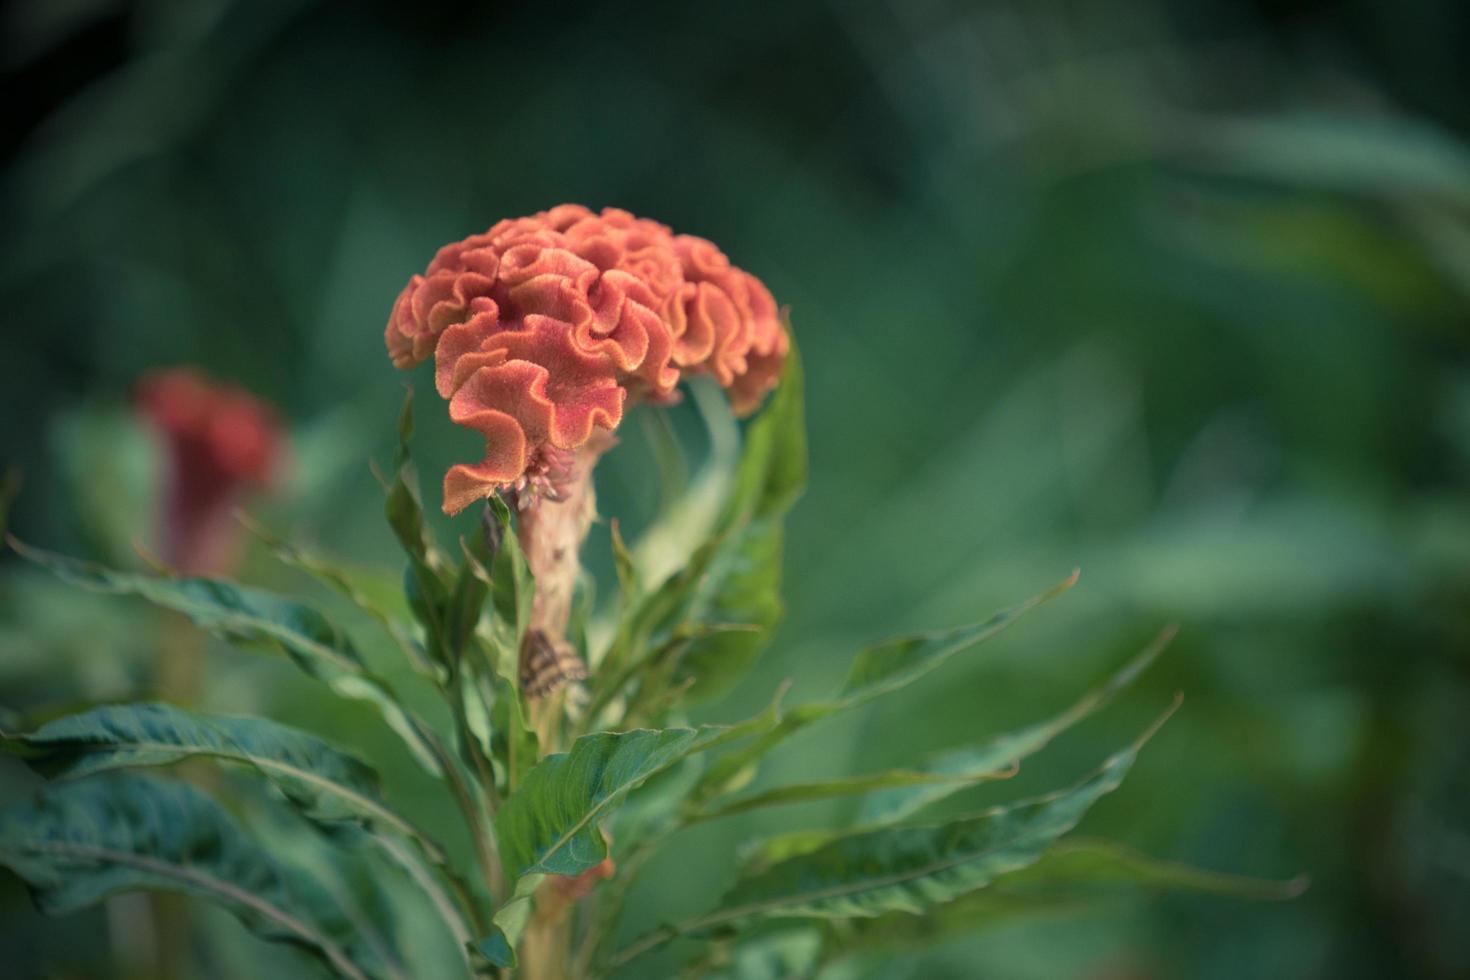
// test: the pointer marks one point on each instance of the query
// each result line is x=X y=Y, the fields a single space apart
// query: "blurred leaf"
x=83 y=841
x=906 y=868
x=1004 y=750
x=668 y=457
x=325 y=782
x=1077 y=861
x=896 y=663
x=786 y=955
x=249 y=616
x=732 y=577
x=876 y=671
x=667 y=544
x=334 y=577
x=1366 y=154
x=114 y=476
x=897 y=780
x=744 y=579
x=1064 y=879
x=237 y=612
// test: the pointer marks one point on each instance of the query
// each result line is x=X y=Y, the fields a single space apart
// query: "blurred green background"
x=1176 y=291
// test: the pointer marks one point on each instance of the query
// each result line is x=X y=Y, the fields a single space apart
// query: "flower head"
x=220 y=441
x=544 y=328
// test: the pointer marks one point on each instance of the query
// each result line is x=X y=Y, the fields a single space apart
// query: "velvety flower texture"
x=544 y=327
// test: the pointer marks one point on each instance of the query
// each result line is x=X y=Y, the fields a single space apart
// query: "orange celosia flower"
x=221 y=441
x=544 y=327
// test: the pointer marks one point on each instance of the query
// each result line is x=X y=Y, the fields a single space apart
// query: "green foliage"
x=325 y=782
x=911 y=868
x=876 y=671
x=255 y=617
x=904 y=868
x=540 y=823
x=1072 y=874
x=743 y=581
x=83 y=841
x=701 y=629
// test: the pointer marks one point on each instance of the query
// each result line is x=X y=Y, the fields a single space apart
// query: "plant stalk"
x=552 y=526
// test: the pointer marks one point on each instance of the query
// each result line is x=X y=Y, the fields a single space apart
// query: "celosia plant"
x=570 y=760
x=221 y=442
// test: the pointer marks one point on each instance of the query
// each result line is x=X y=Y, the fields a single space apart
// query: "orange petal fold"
x=543 y=327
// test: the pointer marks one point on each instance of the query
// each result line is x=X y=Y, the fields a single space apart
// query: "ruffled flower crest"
x=544 y=328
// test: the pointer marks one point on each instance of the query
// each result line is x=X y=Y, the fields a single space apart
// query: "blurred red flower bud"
x=221 y=441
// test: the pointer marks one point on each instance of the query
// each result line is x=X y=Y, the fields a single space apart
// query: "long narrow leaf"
x=1074 y=873
x=326 y=783
x=906 y=868
x=339 y=580
x=876 y=671
x=1004 y=750
x=895 y=780
x=899 y=793
x=254 y=617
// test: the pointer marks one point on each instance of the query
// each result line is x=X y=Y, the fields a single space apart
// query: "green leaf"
x=1073 y=873
x=743 y=584
x=324 y=782
x=512 y=586
x=462 y=613
x=1355 y=153
x=910 y=868
x=341 y=581
x=789 y=954
x=899 y=662
x=497 y=562
x=254 y=617
x=110 y=472
x=83 y=841
x=237 y=612
x=627 y=571
x=404 y=511
x=745 y=588
x=499 y=948
x=425 y=580
x=876 y=671
x=1094 y=861
x=1004 y=751
x=551 y=824
x=773 y=465
x=669 y=458
x=825 y=789
x=906 y=868
x=901 y=793
x=733 y=577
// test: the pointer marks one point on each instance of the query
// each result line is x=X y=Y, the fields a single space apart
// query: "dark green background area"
x=1178 y=292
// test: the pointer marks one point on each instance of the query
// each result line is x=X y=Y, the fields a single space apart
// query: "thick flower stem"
x=554 y=520
x=552 y=525
x=551 y=528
